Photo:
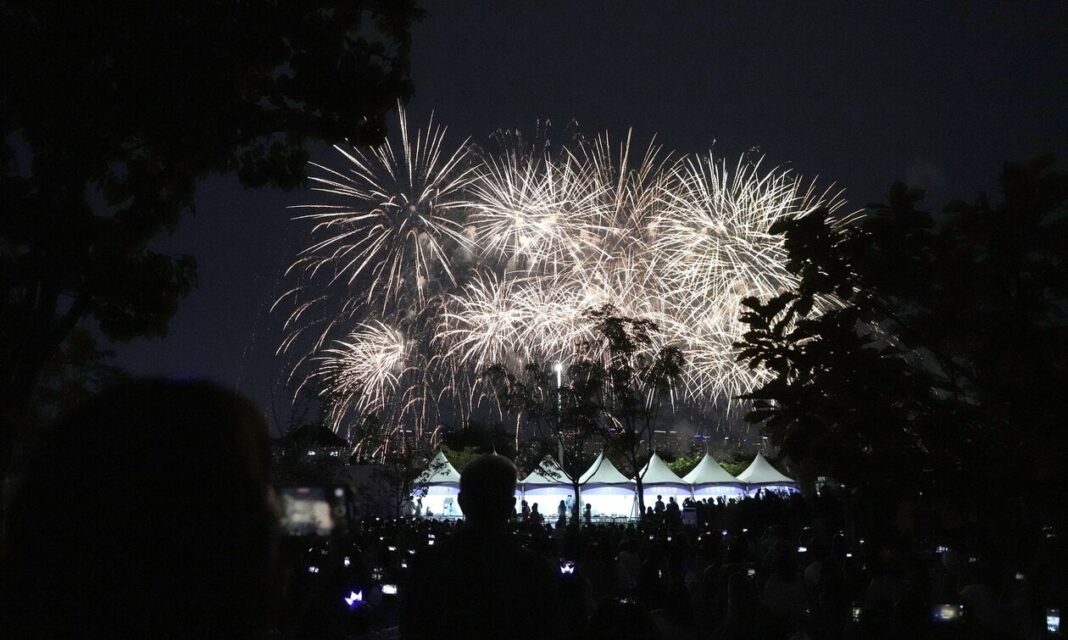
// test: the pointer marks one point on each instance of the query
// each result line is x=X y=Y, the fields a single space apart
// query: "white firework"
x=714 y=248
x=398 y=218
x=498 y=258
x=363 y=369
x=508 y=319
x=533 y=212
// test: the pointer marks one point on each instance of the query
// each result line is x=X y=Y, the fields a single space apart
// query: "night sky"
x=937 y=94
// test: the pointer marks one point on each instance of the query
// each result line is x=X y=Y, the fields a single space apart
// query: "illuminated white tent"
x=438 y=487
x=709 y=480
x=658 y=479
x=761 y=475
x=546 y=486
x=606 y=490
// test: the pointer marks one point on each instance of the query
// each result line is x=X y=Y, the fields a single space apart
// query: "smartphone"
x=389 y=589
x=947 y=612
x=1053 y=620
x=308 y=510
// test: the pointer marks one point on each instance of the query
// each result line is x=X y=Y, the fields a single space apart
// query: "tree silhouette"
x=112 y=112
x=621 y=385
x=939 y=362
x=556 y=417
x=612 y=393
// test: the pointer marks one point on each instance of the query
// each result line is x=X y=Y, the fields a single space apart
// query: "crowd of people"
x=772 y=566
x=119 y=530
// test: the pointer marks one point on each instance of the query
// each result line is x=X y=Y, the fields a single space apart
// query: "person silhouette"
x=145 y=512
x=588 y=514
x=535 y=515
x=479 y=583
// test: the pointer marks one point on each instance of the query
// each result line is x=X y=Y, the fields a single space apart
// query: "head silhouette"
x=144 y=512
x=487 y=490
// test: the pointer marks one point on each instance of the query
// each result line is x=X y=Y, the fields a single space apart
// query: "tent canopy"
x=439 y=471
x=603 y=472
x=548 y=473
x=657 y=472
x=761 y=472
x=708 y=471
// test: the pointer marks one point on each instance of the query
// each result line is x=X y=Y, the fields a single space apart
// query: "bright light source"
x=353 y=598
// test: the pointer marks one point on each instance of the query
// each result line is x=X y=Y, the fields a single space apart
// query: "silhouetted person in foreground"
x=480 y=583
x=144 y=513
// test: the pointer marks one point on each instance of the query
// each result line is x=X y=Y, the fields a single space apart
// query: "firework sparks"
x=398 y=219
x=364 y=368
x=497 y=257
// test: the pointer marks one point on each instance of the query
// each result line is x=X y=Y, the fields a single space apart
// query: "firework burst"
x=455 y=261
x=398 y=218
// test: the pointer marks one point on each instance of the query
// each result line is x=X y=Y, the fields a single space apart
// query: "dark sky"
x=858 y=94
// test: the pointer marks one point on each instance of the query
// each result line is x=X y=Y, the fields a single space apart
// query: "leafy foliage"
x=685 y=464
x=112 y=113
x=939 y=365
x=613 y=394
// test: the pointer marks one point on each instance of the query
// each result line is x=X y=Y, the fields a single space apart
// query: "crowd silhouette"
x=148 y=513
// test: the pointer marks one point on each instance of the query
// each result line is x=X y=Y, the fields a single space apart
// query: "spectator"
x=480 y=583
x=144 y=513
x=621 y=619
